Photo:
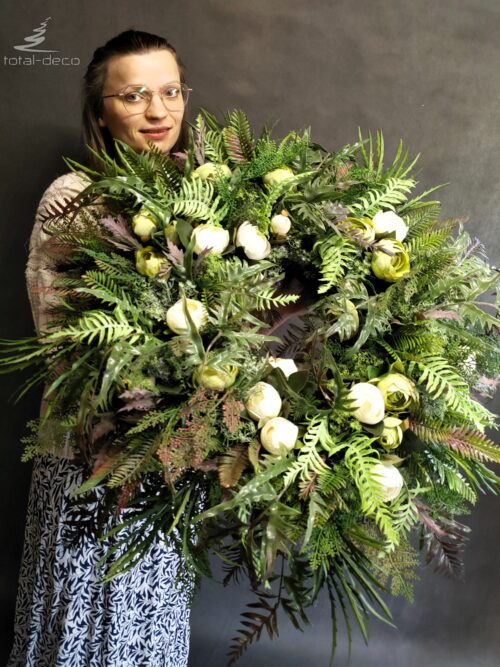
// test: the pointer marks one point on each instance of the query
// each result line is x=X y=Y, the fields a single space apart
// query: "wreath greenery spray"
x=271 y=352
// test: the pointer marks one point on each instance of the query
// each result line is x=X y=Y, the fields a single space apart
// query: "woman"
x=134 y=90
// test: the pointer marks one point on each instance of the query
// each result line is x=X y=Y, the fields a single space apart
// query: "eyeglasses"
x=136 y=99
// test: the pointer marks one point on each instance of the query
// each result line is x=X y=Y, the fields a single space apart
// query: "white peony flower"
x=263 y=402
x=280 y=224
x=176 y=316
x=368 y=403
x=210 y=237
x=389 y=478
x=387 y=222
x=278 y=436
x=255 y=244
x=288 y=366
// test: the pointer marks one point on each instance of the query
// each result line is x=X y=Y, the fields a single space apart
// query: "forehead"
x=152 y=69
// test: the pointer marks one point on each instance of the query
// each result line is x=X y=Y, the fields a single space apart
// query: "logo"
x=35 y=39
x=30 y=48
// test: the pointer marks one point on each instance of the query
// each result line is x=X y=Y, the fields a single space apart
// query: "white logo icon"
x=36 y=38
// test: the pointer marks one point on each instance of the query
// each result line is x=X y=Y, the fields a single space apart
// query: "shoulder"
x=71 y=182
x=63 y=189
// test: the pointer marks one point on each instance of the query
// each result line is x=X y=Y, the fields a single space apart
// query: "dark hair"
x=126 y=43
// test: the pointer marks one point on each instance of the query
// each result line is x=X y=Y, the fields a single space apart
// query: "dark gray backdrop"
x=425 y=71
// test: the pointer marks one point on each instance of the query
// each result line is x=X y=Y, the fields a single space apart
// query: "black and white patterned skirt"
x=66 y=618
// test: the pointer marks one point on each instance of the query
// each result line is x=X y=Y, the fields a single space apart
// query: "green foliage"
x=127 y=390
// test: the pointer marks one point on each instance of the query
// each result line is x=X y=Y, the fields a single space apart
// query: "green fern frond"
x=440 y=379
x=137 y=462
x=385 y=196
x=360 y=459
x=308 y=462
x=446 y=472
x=422 y=220
x=336 y=255
x=100 y=327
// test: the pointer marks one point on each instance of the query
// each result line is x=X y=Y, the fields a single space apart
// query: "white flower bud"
x=389 y=478
x=210 y=237
x=387 y=222
x=280 y=224
x=368 y=403
x=278 y=436
x=288 y=366
x=176 y=316
x=263 y=402
x=255 y=244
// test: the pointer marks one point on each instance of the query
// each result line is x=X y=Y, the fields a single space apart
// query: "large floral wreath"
x=271 y=352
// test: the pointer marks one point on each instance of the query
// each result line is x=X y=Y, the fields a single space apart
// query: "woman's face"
x=157 y=124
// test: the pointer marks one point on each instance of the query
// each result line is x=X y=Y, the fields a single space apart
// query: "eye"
x=171 y=92
x=133 y=96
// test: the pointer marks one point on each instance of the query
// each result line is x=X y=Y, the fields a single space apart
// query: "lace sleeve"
x=41 y=269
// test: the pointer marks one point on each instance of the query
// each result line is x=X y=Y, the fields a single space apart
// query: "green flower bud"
x=210 y=170
x=390 y=267
x=210 y=378
x=170 y=232
x=398 y=391
x=148 y=262
x=143 y=224
x=392 y=434
x=278 y=176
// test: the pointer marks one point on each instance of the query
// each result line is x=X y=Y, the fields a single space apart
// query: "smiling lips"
x=156 y=132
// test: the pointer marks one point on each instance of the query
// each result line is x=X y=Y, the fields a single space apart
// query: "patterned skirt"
x=66 y=618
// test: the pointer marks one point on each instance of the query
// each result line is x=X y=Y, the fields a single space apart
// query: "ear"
x=101 y=122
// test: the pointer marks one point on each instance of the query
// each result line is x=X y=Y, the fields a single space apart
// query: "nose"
x=156 y=108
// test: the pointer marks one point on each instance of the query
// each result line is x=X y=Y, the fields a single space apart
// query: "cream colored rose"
x=177 y=319
x=389 y=478
x=278 y=436
x=388 y=222
x=278 y=176
x=143 y=224
x=148 y=262
x=263 y=402
x=360 y=227
x=210 y=170
x=210 y=237
x=216 y=379
x=280 y=224
x=254 y=243
x=288 y=366
x=368 y=403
